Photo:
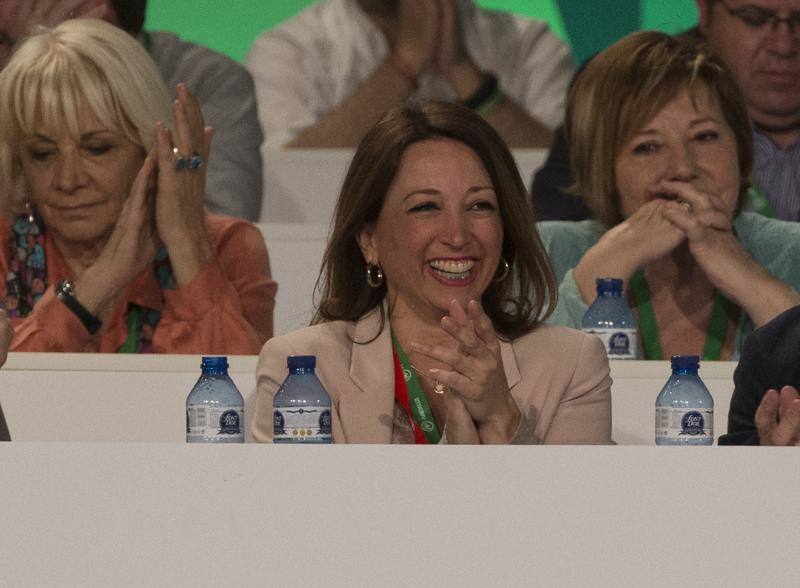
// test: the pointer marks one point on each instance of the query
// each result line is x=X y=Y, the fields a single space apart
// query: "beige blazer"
x=558 y=376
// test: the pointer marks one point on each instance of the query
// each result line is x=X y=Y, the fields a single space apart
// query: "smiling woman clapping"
x=433 y=288
x=108 y=247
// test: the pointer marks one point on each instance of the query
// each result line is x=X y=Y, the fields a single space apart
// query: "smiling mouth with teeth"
x=452 y=270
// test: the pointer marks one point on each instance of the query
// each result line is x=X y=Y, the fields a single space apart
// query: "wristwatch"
x=65 y=292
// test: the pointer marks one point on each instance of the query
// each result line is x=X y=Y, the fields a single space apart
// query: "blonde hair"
x=623 y=88
x=57 y=74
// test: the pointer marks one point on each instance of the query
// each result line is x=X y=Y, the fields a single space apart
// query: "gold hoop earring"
x=374 y=275
x=503 y=272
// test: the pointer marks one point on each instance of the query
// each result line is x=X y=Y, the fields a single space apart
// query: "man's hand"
x=778 y=417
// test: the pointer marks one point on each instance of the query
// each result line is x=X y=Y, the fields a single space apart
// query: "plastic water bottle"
x=684 y=407
x=610 y=319
x=214 y=407
x=302 y=407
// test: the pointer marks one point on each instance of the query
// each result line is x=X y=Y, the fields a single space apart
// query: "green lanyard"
x=648 y=328
x=411 y=396
x=758 y=201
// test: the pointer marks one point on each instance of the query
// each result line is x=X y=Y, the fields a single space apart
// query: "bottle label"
x=215 y=423
x=619 y=343
x=681 y=424
x=302 y=425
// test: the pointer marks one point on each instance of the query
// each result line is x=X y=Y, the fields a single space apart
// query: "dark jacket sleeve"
x=550 y=201
x=770 y=360
x=749 y=387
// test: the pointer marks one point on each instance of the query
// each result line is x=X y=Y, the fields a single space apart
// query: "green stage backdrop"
x=587 y=25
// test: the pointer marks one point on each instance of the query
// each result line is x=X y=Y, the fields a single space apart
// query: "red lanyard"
x=411 y=397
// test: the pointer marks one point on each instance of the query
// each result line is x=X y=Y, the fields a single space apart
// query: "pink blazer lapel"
x=366 y=409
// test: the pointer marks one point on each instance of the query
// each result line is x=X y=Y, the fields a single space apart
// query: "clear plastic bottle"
x=610 y=319
x=214 y=407
x=684 y=407
x=302 y=407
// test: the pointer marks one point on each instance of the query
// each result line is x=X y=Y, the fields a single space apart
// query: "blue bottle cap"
x=215 y=362
x=685 y=362
x=613 y=285
x=304 y=362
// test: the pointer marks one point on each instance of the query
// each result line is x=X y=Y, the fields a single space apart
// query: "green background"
x=587 y=25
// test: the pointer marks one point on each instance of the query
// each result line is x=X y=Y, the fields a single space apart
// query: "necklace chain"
x=438 y=386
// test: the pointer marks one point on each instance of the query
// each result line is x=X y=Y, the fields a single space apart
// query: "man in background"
x=326 y=76
x=222 y=86
x=760 y=41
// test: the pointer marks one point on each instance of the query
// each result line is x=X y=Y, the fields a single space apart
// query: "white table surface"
x=262 y=515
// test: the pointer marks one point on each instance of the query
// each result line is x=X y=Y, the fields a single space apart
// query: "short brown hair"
x=623 y=88
x=516 y=304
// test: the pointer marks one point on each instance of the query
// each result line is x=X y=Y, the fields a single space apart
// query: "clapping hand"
x=476 y=377
x=179 y=214
x=778 y=417
x=429 y=34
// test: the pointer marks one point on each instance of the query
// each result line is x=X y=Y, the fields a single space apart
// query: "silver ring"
x=181 y=160
x=195 y=162
x=687 y=205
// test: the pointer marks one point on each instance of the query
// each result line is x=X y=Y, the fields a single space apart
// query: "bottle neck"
x=301 y=371
x=684 y=371
x=215 y=372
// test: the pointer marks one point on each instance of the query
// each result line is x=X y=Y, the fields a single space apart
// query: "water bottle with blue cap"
x=610 y=318
x=214 y=407
x=302 y=407
x=684 y=407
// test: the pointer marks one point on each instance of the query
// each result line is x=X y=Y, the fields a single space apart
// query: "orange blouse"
x=226 y=310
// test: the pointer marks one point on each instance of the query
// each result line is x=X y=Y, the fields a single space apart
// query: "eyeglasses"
x=756 y=17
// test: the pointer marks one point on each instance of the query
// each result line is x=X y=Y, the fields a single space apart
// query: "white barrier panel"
x=302 y=185
x=295 y=257
x=636 y=385
x=255 y=515
x=105 y=397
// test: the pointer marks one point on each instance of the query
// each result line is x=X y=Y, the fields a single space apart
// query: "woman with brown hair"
x=433 y=266
x=662 y=150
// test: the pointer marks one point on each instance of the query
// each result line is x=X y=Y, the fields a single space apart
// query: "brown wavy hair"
x=516 y=304
x=624 y=87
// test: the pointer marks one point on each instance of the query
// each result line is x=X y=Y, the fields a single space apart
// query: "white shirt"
x=312 y=62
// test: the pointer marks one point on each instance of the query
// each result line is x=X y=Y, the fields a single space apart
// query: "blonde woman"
x=107 y=246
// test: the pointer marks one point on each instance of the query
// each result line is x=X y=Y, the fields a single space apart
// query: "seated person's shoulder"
x=329 y=341
x=224 y=229
x=563 y=233
x=555 y=346
x=774 y=243
x=327 y=18
x=197 y=65
x=567 y=241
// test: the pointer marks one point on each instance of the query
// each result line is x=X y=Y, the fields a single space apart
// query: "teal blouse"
x=775 y=244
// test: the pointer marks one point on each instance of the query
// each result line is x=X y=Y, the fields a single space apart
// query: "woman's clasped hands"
x=164 y=208
x=480 y=408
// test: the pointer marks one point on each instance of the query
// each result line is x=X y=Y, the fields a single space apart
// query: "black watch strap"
x=65 y=292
